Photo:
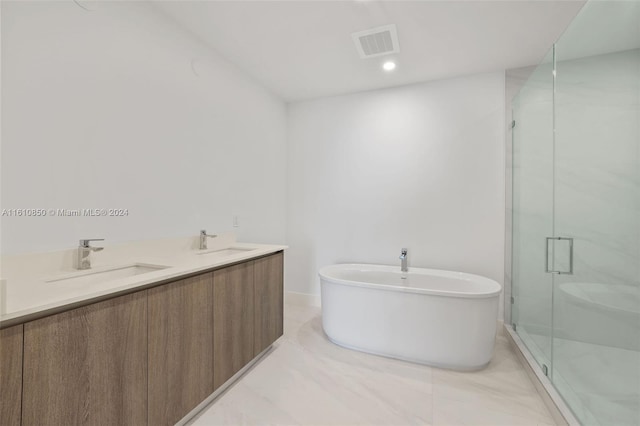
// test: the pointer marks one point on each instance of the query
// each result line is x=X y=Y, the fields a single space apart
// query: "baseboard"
x=303 y=299
x=559 y=410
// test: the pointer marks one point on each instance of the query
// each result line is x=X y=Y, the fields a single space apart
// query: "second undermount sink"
x=224 y=252
x=102 y=275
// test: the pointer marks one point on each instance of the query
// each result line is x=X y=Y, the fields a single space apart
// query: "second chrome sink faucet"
x=403 y=260
x=203 y=239
x=84 y=250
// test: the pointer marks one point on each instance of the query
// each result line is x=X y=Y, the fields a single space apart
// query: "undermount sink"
x=224 y=252
x=105 y=275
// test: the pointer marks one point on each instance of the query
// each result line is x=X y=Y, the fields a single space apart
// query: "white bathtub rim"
x=453 y=367
x=425 y=291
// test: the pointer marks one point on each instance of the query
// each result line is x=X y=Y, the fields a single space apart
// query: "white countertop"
x=30 y=294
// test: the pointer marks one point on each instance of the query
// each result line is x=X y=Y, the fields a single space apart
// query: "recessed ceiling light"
x=389 y=66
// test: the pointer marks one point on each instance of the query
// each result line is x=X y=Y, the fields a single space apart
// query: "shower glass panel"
x=596 y=310
x=576 y=187
x=533 y=210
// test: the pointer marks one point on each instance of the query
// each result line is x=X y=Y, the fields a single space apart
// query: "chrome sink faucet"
x=203 y=239
x=84 y=250
x=403 y=261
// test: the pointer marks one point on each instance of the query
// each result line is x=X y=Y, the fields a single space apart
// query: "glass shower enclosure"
x=576 y=214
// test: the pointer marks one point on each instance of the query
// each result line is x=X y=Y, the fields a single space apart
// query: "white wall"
x=419 y=166
x=118 y=107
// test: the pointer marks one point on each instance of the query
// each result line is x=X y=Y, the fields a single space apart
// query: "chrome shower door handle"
x=546 y=257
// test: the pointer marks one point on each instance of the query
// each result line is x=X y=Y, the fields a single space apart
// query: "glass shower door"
x=532 y=137
x=576 y=186
x=596 y=309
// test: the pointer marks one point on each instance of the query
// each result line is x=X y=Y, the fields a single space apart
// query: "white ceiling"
x=303 y=49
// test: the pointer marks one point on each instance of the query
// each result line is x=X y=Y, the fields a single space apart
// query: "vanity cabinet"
x=11 y=375
x=269 y=298
x=180 y=347
x=88 y=366
x=146 y=358
x=233 y=320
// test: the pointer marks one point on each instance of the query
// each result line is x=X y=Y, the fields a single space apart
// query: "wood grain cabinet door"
x=233 y=320
x=180 y=348
x=88 y=366
x=11 y=375
x=268 y=276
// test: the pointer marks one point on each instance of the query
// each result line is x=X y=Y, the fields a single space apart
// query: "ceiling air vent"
x=376 y=41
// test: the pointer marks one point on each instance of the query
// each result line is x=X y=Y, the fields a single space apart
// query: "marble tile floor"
x=307 y=380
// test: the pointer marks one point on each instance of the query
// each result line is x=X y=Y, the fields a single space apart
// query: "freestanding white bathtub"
x=441 y=318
